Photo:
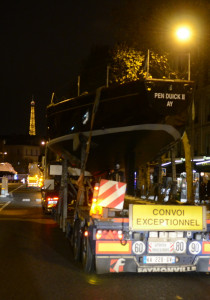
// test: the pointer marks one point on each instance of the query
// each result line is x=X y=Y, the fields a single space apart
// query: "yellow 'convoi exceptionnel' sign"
x=167 y=217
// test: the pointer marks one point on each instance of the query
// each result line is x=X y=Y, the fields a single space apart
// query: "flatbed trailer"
x=143 y=237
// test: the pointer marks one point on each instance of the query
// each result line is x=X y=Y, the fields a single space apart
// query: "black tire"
x=77 y=241
x=87 y=256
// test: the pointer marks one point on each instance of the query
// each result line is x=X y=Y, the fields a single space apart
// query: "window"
x=85 y=117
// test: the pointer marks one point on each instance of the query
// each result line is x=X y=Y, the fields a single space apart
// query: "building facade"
x=20 y=151
x=202 y=122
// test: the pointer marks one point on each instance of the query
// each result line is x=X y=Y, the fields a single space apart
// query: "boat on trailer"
x=125 y=125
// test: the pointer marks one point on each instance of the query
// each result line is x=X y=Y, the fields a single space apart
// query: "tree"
x=150 y=25
x=130 y=64
x=127 y=64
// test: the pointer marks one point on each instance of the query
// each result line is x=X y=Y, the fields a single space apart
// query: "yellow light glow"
x=183 y=33
x=96 y=209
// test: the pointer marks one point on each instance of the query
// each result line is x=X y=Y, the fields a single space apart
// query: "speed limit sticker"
x=180 y=246
x=195 y=247
x=138 y=247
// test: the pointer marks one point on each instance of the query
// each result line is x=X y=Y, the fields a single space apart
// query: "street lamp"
x=183 y=35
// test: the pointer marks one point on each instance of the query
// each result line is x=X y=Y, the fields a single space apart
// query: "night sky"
x=42 y=48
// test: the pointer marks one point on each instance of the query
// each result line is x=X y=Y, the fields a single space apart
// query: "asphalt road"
x=36 y=262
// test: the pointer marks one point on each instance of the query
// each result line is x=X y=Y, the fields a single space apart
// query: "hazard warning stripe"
x=105 y=185
x=110 y=198
x=108 y=188
x=110 y=201
x=111 y=194
x=105 y=193
x=117 y=203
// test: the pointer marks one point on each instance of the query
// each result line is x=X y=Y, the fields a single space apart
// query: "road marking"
x=16 y=188
x=38 y=200
x=26 y=200
x=5 y=205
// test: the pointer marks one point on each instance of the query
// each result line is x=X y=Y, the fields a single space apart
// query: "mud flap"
x=203 y=264
x=113 y=264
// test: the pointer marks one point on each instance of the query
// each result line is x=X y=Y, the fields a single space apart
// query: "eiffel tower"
x=32 y=129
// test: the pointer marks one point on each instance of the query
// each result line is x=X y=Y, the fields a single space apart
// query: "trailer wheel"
x=77 y=241
x=87 y=256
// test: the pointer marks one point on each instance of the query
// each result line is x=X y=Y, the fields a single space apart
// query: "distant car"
x=50 y=200
x=34 y=181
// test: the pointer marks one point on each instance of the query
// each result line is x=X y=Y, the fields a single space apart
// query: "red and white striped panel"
x=111 y=194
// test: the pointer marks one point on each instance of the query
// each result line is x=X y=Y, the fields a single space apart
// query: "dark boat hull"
x=135 y=121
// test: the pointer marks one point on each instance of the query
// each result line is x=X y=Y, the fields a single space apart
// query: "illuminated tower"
x=32 y=129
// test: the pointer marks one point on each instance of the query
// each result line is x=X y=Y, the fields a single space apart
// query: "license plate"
x=161 y=247
x=52 y=202
x=159 y=259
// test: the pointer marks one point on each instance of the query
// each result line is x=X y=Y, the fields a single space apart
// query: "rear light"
x=95 y=208
x=120 y=234
x=52 y=201
x=96 y=190
x=85 y=233
x=96 y=187
x=109 y=234
x=98 y=234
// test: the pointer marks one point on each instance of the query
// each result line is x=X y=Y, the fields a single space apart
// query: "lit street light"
x=184 y=34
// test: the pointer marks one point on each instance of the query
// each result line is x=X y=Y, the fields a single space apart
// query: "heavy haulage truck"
x=143 y=237
x=122 y=127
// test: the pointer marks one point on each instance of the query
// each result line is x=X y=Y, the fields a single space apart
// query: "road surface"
x=37 y=263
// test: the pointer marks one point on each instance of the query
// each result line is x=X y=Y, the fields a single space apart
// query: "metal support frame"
x=63 y=195
x=160 y=178
x=189 y=71
x=173 y=191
